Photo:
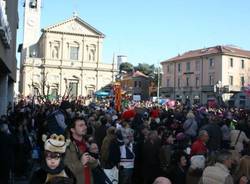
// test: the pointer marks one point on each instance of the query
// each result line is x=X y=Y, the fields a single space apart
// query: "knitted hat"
x=197 y=162
x=180 y=136
x=55 y=143
x=65 y=105
x=190 y=115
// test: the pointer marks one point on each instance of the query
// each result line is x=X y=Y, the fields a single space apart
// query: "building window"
x=188 y=66
x=197 y=65
x=179 y=83
x=242 y=81
x=179 y=67
x=168 y=68
x=231 y=62
x=135 y=84
x=231 y=80
x=54 y=93
x=168 y=82
x=74 y=51
x=187 y=81
x=197 y=81
x=73 y=87
x=211 y=63
x=211 y=80
x=242 y=64
x=139 y=83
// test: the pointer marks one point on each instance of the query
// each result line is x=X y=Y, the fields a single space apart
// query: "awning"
x=102 y=93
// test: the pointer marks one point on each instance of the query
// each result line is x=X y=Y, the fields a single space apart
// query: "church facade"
x=65 y=60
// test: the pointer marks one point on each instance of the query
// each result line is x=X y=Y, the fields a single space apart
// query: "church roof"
x=72 y=19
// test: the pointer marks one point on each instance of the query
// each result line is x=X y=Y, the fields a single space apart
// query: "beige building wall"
x=209 y=69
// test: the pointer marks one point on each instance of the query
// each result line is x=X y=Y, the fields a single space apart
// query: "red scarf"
x=82 y=146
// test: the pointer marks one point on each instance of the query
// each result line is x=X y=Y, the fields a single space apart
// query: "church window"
x=74 y=51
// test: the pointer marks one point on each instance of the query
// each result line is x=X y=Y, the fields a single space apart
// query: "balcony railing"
x=234 y=88
x=207 y=88
x=187 y=88
x=166 y=89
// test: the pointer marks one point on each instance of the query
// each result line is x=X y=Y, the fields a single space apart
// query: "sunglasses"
x=51 y=155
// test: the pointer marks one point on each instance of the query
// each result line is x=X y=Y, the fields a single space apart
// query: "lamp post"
x=218 y=87
x=158 y=72
x=158 y=84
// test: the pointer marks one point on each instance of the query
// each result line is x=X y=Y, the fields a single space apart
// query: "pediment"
x=75 y=25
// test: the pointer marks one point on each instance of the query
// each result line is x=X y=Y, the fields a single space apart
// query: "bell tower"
x=29 y=49
x=31 y=30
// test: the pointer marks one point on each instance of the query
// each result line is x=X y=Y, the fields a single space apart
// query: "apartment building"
x=136 y=83
x=207 y=74
x=8 y=62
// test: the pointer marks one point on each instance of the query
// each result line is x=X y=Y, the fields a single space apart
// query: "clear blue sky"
x=150 y=31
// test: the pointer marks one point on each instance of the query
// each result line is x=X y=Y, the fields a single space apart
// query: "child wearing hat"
x=52 y=169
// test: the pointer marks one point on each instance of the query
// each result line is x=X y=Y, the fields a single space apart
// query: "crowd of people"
x=145 y=143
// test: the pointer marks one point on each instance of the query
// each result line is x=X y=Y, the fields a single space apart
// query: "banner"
x=118 y=96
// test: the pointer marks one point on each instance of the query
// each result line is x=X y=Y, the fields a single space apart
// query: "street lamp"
x=159 y=72
x=218 y=87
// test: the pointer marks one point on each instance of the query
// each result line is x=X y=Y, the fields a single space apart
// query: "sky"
x=151 y=31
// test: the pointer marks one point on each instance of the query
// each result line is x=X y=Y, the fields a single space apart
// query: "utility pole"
x=158 y=85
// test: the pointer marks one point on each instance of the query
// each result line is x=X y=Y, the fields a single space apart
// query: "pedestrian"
x=58 y=120
x=110 y=154
x=199 y=146
x=178 y=174
x=238 y=137
x=162 y=180
x=77 y=157
x=190 y=126
x=196 y=169
x=52 y=168
x=7 y=143
x=242 y=170
x=219 y=173
x=214 y=132
x=127 y=157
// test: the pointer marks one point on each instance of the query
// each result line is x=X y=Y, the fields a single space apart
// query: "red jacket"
x=155 y=113
x=198 y=147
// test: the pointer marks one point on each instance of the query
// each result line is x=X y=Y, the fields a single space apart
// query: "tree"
x=145 y=68
x=149 y=70
x=128 y=67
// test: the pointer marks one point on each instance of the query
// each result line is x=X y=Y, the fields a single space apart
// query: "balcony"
x=187 y=89
x=208 y=88
x=234 y=89
x=166 y=89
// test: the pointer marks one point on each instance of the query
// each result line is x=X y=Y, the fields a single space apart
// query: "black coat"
x=215 y=136
x=7 y=143
x=178 y=175
x=39 y=176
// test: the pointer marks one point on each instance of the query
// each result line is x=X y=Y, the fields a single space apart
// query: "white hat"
x=197 y=162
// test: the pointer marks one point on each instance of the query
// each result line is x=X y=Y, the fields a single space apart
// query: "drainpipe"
x=174 y=78
x=201 y=96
